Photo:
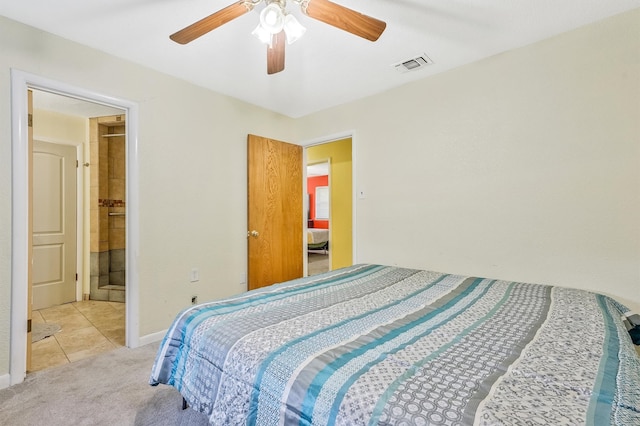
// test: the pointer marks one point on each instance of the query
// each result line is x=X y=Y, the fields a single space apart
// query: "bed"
x=317 y=239
x=374 y=344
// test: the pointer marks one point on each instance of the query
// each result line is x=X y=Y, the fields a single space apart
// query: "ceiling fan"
x=277 y=26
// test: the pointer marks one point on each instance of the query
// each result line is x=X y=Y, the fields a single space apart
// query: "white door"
x=54 y=224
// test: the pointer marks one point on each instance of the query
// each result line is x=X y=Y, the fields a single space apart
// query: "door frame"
x=20 y=204
x=332 y=138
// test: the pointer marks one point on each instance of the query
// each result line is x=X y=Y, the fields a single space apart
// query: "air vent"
x=413 y=64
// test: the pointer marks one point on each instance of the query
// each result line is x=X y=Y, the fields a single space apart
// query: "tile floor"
x=87 y=328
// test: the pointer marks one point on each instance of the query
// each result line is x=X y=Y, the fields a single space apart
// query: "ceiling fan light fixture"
x=276 y=24
x=293 y=29
x=263 y=35
x=272 y=18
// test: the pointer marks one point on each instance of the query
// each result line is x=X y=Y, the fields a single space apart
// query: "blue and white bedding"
x=371 y=344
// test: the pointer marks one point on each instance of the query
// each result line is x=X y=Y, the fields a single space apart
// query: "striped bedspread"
x=379 y=345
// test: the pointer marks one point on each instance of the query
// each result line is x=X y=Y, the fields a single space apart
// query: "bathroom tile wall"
x=108 y=206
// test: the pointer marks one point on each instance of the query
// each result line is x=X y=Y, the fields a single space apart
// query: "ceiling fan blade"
x=346 y=19
x=211 y=22
x=275 y=53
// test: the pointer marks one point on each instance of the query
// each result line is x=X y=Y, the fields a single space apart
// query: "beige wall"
x=51 y=126
x=524 y=166
x=181 y=167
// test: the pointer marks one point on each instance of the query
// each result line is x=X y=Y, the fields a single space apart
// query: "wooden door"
x=54 y=224
x=274 y=211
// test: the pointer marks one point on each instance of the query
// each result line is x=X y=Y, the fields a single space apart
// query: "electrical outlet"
x=194 y=300
x=195 y=275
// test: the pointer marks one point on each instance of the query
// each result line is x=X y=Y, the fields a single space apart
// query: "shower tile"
x=104 y=223
x=103 y=153
x=94 y=263
x=119 y=168
x=116 y=188
x=117 y=296
x=117 y=222
x=117 y=239
x=94 y=245
x=105 y=262
x=117 y=258
x=116 y=278
x=93 y=204
x=104 y=246
x=96 y=293
x=100 y=295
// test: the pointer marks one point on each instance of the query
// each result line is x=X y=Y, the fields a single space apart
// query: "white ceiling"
x=326 y=67
x=71 y=106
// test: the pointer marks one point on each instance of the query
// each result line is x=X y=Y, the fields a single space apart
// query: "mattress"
x=317 y=235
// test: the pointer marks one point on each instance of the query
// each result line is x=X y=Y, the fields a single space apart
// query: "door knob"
x=253 y=233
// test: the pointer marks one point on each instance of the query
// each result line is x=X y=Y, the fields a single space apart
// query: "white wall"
x=192 y=151
x=524 y=166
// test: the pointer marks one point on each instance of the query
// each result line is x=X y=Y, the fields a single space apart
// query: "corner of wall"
x=5 y=381
x=152 y=338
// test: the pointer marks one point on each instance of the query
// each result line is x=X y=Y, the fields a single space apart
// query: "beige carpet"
x=109 y=389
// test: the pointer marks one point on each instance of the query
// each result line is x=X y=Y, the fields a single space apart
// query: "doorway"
x=22 y=206
x=318 y=217
x=336 y=158
x=68 y=324
x=269 y=162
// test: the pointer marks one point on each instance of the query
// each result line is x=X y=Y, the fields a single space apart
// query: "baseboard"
x=152 y=338
x=5 y=381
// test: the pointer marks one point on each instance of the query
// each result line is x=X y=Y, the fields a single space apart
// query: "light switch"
x=195 y=275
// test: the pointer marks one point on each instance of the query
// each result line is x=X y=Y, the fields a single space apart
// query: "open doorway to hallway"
x=330 y=201
x=318 y=221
